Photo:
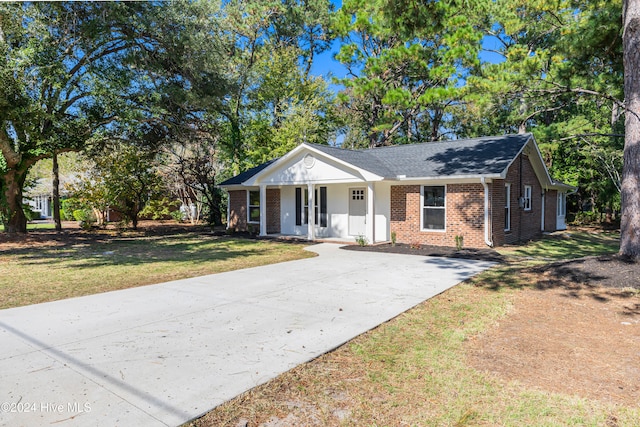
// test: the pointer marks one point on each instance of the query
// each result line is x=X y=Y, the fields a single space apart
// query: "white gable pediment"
x=307 y=166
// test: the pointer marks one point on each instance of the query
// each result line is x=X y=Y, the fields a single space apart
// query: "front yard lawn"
x=45 y=266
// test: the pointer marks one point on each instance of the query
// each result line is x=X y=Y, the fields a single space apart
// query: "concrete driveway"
x=161 y=355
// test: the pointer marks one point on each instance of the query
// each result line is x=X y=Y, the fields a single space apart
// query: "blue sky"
x=326 y=65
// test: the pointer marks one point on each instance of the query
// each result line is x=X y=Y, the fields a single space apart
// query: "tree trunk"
x=56 y=193
x=630 y=220
x=13 y=215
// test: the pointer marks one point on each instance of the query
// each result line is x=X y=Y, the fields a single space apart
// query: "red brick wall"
x=464 y=216
x=237 y=210
x=525 y=225
x=273 y=210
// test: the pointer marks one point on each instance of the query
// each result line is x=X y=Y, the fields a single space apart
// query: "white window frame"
x=250 y=207
x=423 y=207
x=527 y=197
x=507 y=207
x=305 y=206
x=562 y=204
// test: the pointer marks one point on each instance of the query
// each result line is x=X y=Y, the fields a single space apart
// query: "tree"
x=559 y=74
x=124 y=178
x=269 y=48
x=406 y=64
x=64 y=77
x=191 y=172
x=630 y=221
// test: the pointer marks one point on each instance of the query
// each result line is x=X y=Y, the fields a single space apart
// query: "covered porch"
x=314 y=211
x=312 y=194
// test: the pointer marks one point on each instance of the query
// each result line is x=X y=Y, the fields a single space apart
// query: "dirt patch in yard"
x=575 y=331
x=575 y=339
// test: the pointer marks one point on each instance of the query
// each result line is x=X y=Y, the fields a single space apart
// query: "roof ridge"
x=478 y=138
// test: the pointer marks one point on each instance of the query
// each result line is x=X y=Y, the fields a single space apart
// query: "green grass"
x=414 y=371
x=567 y=245
x=36 y=226
x=51 y=272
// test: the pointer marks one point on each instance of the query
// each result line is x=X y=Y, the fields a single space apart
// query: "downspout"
x=487 y=233
x=228 y=207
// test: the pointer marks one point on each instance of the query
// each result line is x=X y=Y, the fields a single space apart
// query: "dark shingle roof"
x=477 y=156
x=242 y=177
x=362 y=159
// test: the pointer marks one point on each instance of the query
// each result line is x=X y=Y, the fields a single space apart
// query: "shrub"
x=362 y=240
x=178 y=216
x=159 y=209
x=67 y=206
x=459 y=241
x=29 y=213
x=393 y=238
x=85 y=218
x=80 y=215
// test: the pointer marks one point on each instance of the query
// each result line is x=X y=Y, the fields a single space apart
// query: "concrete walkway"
x=161 y=355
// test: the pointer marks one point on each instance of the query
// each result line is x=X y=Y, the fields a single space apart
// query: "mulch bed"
x=610 y=271
x=426 y=250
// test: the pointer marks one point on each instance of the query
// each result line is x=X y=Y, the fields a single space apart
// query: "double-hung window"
x=507 y=207
x=433 y=207
x=527 y=197
x=254 y=206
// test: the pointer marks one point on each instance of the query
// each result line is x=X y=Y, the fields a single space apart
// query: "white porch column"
x=263 y=210
x=370 y=216
x=311 y=220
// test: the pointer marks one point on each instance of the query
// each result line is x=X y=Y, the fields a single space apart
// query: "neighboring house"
x=491 y=191
x=40 y=197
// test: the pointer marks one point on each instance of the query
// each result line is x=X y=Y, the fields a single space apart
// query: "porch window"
x=320 y=206
x=254 y=206
x=305 y=207
x=527 y=197
x=433 y=207
x=507 y=207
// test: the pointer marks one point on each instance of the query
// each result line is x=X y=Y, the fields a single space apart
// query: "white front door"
x=561 y=211
x=357 y=211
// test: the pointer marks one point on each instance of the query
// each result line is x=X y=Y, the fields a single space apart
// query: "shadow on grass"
x=567 y=245
x=92 y=251
x=599 y=278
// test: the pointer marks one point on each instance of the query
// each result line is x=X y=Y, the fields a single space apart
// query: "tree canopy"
x=232 y=81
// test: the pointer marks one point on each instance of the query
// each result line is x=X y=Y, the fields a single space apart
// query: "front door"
x=357 y=211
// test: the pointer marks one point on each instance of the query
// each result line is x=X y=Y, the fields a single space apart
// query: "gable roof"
x=475 y=157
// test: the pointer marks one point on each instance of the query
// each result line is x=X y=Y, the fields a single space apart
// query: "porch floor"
x=340 y=240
